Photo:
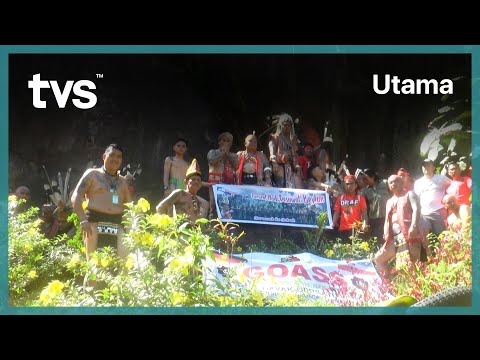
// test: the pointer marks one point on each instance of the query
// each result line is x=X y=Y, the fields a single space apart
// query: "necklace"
x=196 y=206
x=113 y=184
x=250 y=157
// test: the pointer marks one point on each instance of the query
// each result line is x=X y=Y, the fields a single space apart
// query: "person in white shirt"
x=430 y=188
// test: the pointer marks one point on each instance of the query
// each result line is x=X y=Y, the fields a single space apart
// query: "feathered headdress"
x=58 y=191
x=127 y=171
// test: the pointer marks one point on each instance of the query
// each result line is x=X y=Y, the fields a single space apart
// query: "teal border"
x=474 y=50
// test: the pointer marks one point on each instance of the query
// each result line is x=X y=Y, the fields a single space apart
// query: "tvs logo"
x=62 y=96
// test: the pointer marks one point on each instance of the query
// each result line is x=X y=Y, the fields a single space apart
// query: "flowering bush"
x=34 y=261
x=450 y=266
x=168 y=265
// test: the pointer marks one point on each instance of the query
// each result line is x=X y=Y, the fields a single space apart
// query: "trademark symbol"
x=99 y=76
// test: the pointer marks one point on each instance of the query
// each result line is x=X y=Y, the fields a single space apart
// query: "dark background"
x=146 y=101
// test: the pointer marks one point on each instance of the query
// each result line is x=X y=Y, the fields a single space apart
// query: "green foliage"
x=449 y=137
x=169 y=260
x=358 y=249
x=225 y=236
x=313 y=238
x=167 y=265
x=283 y=245
x=33 y=260
x=259 y=246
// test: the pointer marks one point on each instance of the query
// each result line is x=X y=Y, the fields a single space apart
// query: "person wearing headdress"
x=187 y=201
x=253 y=168
x=222 y=165
x=130 y=179
x=283 y=153
x=324 y=153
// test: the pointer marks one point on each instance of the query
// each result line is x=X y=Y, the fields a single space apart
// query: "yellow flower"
x=241 y=278
x=136 y=237
x=177 y=298
x=239 y=249
x=364 y=245
x=175 y=264
x=143 y=204
x=27 y=247
x=105 y=262
x=51 y=292
x=73 y=261
x=130 y=262
x=161 y=221
x=147 y=239
x=179 y=264
x=329 y=252
x=56 y=287
x=32 y=274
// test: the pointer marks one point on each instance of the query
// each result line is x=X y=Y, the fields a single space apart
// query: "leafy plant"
x=450 y=266
x=226 y=234
x=313 y=238
x=450 y=137
x=34 y=261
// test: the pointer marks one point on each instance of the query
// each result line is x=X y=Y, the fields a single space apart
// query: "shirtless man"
x=402 y=234
x=106 y=192
x=186 y=201
x=175 y=168
x=460 y=217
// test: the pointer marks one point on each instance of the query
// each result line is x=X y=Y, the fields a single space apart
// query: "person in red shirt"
x=350 y=210
x=461 y=186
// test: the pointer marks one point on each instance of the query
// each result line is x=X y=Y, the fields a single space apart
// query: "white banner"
x=343 y=282
x=271 y=205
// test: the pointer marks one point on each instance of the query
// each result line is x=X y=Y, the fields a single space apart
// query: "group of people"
x=435 y=203
x=284 y=167
x=399 y=211
x=106 y=191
